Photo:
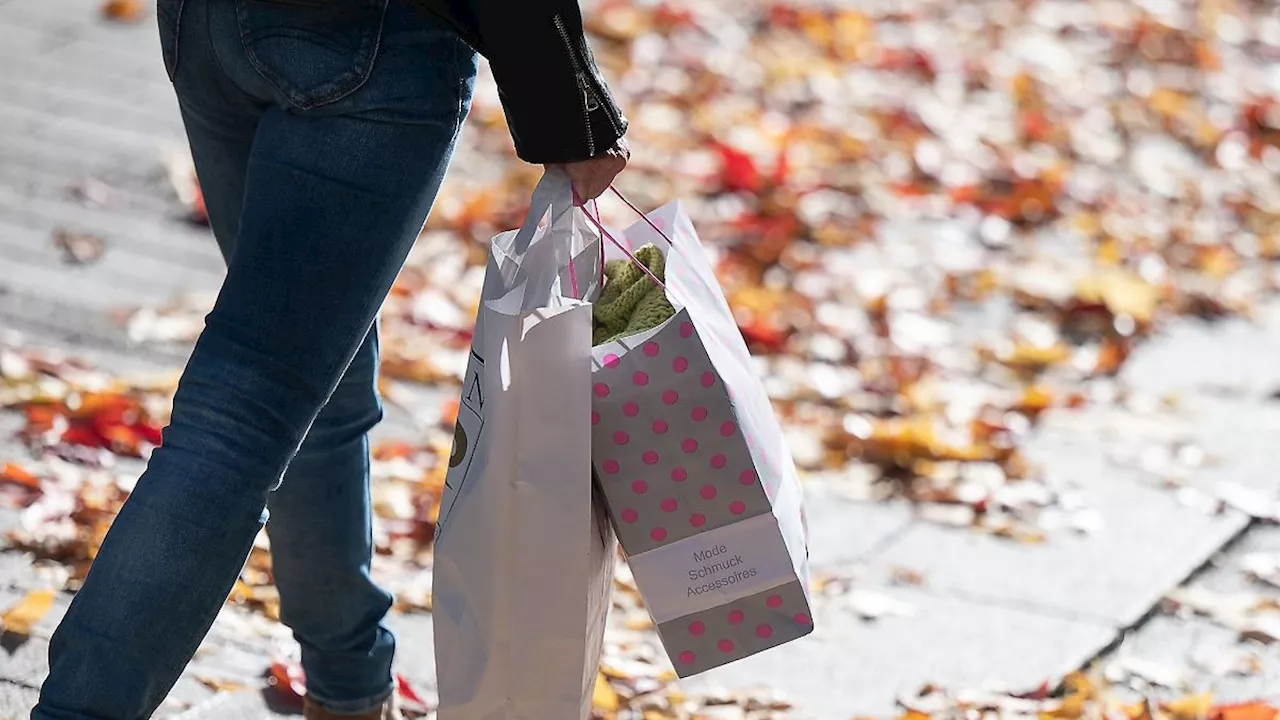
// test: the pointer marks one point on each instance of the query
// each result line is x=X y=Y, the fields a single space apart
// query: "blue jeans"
x=320 y=134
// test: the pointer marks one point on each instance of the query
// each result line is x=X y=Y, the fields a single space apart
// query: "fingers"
x=591 y=178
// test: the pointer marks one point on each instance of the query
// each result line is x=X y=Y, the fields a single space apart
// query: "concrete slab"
x=842 y=532
x=1207 y=652
x=851 y=667
x=1149 y=543
x=16 y=701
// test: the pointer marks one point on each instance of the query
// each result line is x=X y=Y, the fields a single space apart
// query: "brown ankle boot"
x=388 y=711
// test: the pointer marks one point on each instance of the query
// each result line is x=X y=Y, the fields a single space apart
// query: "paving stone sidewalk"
x=83 y=99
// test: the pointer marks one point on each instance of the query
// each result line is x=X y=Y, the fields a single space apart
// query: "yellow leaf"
x=1123 y=292
x=1138 y=711
x=604 y=697
x=1025 y=356
x=637 y=623
x=1190 y=707
x=23 y=616
x=220 y=684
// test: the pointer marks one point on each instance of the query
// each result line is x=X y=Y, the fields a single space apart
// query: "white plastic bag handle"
x=553 y=192
x=543 y=255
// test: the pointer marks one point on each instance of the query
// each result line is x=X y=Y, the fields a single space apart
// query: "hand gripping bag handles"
x=524 y=553
x=699 y=483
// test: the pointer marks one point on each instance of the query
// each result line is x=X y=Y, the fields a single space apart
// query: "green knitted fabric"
x=631 y=302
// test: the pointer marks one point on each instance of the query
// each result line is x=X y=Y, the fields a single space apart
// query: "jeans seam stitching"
x=177 y=39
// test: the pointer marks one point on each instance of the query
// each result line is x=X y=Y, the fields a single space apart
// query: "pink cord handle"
x=643 y=216
x=620 y=246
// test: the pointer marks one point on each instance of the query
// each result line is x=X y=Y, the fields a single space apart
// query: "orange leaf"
x=449 y=412
x=394 y=449
x=11 y=473
x=123 y=10
x=289 y=680
x=23 y=616
x=1245 y=711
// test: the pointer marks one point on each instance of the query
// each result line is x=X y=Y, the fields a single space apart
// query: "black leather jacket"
x=557 y=105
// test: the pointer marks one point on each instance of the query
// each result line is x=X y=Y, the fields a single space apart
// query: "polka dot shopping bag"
x=699 y=483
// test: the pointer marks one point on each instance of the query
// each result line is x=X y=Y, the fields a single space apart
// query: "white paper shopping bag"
x=524 y=554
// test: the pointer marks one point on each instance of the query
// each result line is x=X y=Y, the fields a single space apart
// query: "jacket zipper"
x=589 y=100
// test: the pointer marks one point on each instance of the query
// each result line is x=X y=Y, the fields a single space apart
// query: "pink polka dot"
x=774 y=601
x=595 y=418
x=611 y=360
x=689 y=445
x=639 y=487
x=736 y=617
x=611 y=466
x=802 y=619
x=669 y=504
x=679 y=475
x=748 y=477
x=737 y=507
x=621 y=438
x=718 y=461
x=641 y=378
x=630 y=515
x=697 y=519
x=631 y=409
x=650 y=457
x=658 y=534
x=728 y=428
x=670 y=397
x=680 y=364
x=686 y=330
x=708 y=492
x=697 y=627
x=687 y=658
x=708 y=379
x=601 y=390
x=726 y=645
x=764 y=630
x=699 y=414
x=651 y=349
x=660 y=427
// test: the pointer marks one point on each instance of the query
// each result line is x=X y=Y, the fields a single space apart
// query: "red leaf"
x=738 y=171
x=199 y=214
x=781 y=169
x=1040 y=693
x=783 y=15
x=407 y=693
x=151 y=433
x=82 y=435
x=763 y=338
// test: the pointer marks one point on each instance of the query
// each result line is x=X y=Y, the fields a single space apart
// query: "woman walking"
x=320 y=130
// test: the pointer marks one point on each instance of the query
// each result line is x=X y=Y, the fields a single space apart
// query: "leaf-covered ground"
x=935 y=221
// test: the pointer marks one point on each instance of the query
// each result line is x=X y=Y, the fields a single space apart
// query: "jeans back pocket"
x=313 y=52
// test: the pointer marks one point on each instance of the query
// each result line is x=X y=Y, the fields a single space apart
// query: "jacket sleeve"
x=557 y=105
